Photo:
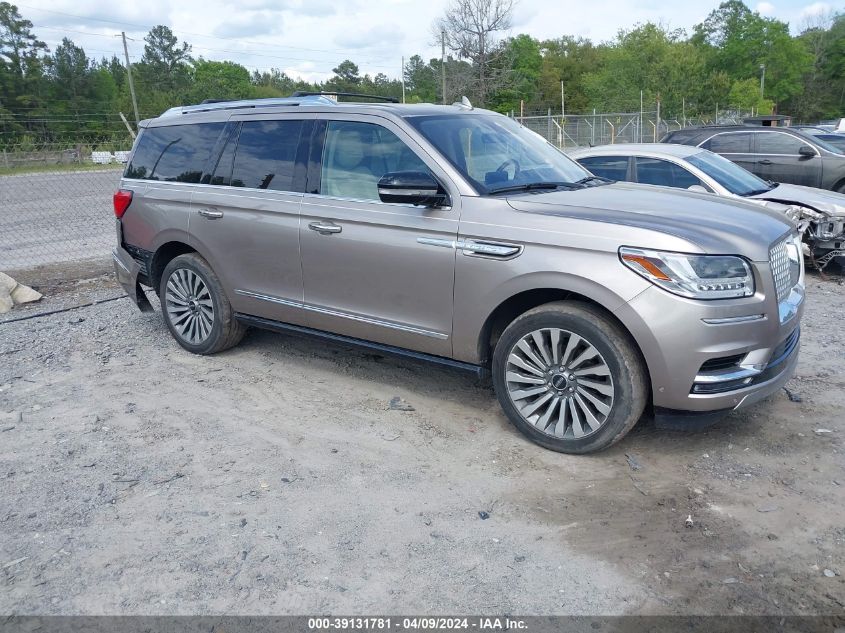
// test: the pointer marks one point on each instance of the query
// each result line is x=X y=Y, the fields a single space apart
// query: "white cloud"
x=766 y=8
x=307 y=38
x=816 y=9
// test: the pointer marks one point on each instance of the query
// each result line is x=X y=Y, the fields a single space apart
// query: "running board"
x=278 y=326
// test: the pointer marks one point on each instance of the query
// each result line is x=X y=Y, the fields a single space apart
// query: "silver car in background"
x=819 y=212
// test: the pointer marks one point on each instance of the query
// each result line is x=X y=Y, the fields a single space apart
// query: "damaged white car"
x=819 y=213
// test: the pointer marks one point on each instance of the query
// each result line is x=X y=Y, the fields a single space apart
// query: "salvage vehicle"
x=454 y=235
x=820 y=213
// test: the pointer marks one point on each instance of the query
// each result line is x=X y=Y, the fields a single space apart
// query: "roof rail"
x=301 y=93
x=210 y=105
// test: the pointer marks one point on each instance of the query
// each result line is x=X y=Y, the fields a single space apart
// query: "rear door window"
x=730 y=143
x=612 y=167
x=265 y=157
x=174 y=153
x=653 y=171
x=778 y=143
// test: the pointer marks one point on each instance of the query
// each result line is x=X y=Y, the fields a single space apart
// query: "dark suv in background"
x=776 y=154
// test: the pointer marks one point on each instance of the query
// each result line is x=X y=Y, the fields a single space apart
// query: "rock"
x=689 y=521
x=793 y=397
x=398 y=404
x=6 y=302
x=483 y=515
x=633 y=462
x=768 y=508
x=829 y=573
x=822 y=431
x=7 y=283
x=730 y=581
x=25 y=294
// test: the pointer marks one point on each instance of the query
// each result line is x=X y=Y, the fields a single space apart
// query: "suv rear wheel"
x=569 y=378
x=195 y=308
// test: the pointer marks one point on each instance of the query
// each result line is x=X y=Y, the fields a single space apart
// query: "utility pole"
x=641 y=116
x=403 y=79
x=562 y=102
x=762 y=79
x=443 y=63
x=131 y=83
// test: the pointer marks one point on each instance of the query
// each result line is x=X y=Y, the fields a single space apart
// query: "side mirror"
x=697 y=189
x=806 y=151
x=411 y=187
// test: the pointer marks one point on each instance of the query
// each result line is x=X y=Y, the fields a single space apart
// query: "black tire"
x=225 y=330
x=627 y=380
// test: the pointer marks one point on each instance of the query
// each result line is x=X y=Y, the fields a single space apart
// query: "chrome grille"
x=779 y=259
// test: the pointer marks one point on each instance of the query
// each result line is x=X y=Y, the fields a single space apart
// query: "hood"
x=822 y=200
x=714 y=224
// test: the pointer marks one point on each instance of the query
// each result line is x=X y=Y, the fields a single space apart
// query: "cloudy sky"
x=308 y=38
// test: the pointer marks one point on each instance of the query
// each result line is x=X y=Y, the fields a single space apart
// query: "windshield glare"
x=493 y=151
x=730 y=175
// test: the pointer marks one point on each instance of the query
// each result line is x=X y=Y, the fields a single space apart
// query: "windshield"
x=494 y=152
x=824 y=144
x=730 y=175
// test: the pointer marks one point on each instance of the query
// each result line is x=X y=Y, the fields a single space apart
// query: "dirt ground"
x=275 y=478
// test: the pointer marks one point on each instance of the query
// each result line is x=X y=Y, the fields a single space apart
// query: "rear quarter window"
x=611 y=167
x=174 y=153
x=730 y=143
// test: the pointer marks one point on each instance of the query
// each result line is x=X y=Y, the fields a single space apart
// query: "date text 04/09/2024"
x=414 y=623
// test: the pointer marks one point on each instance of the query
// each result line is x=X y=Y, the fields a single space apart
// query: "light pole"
x=762 y=80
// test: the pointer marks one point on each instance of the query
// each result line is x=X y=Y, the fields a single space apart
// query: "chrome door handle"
x=489 y=249
x=211 y=215
x=765 y=161
x=325 y=228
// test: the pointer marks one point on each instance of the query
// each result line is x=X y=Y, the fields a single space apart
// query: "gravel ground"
x=53 y=217
x=276 y=478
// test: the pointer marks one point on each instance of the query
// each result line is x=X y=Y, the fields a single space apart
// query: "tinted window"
x=223 y=171
x=266 y=155
x=734 y=143
x=777 y=143
x=652 y=171
x=174 y=153
x=612 y=167
x=357 y=155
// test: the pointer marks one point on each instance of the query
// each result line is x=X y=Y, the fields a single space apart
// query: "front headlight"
x=693 y=276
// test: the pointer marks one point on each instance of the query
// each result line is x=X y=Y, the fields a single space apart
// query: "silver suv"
x=454 y=235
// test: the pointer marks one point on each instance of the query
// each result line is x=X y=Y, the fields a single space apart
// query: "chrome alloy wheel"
x=560 y=383
x=189 y=306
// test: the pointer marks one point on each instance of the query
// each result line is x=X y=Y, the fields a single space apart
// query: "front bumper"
x=680 y=337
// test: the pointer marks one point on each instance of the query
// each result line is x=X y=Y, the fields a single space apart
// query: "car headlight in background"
x=693 y=276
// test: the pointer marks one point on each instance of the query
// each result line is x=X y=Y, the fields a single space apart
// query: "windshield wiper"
x=757 y=192
x=532 y=186
x=598 y=180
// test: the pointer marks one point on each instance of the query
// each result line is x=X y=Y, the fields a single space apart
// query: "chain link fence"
x=588 y=130
x=55 y=203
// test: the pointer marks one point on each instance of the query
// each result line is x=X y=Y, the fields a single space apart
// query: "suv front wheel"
x=569 y=378
x=195 y=307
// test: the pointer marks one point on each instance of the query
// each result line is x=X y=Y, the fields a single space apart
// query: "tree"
x=346 y=77
x=219 y=80
x=652 y=59
x=20 y=63
x=472 y=29
x=420 y=80
x=166 y=64
x=739 y=41
x=523 y=63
